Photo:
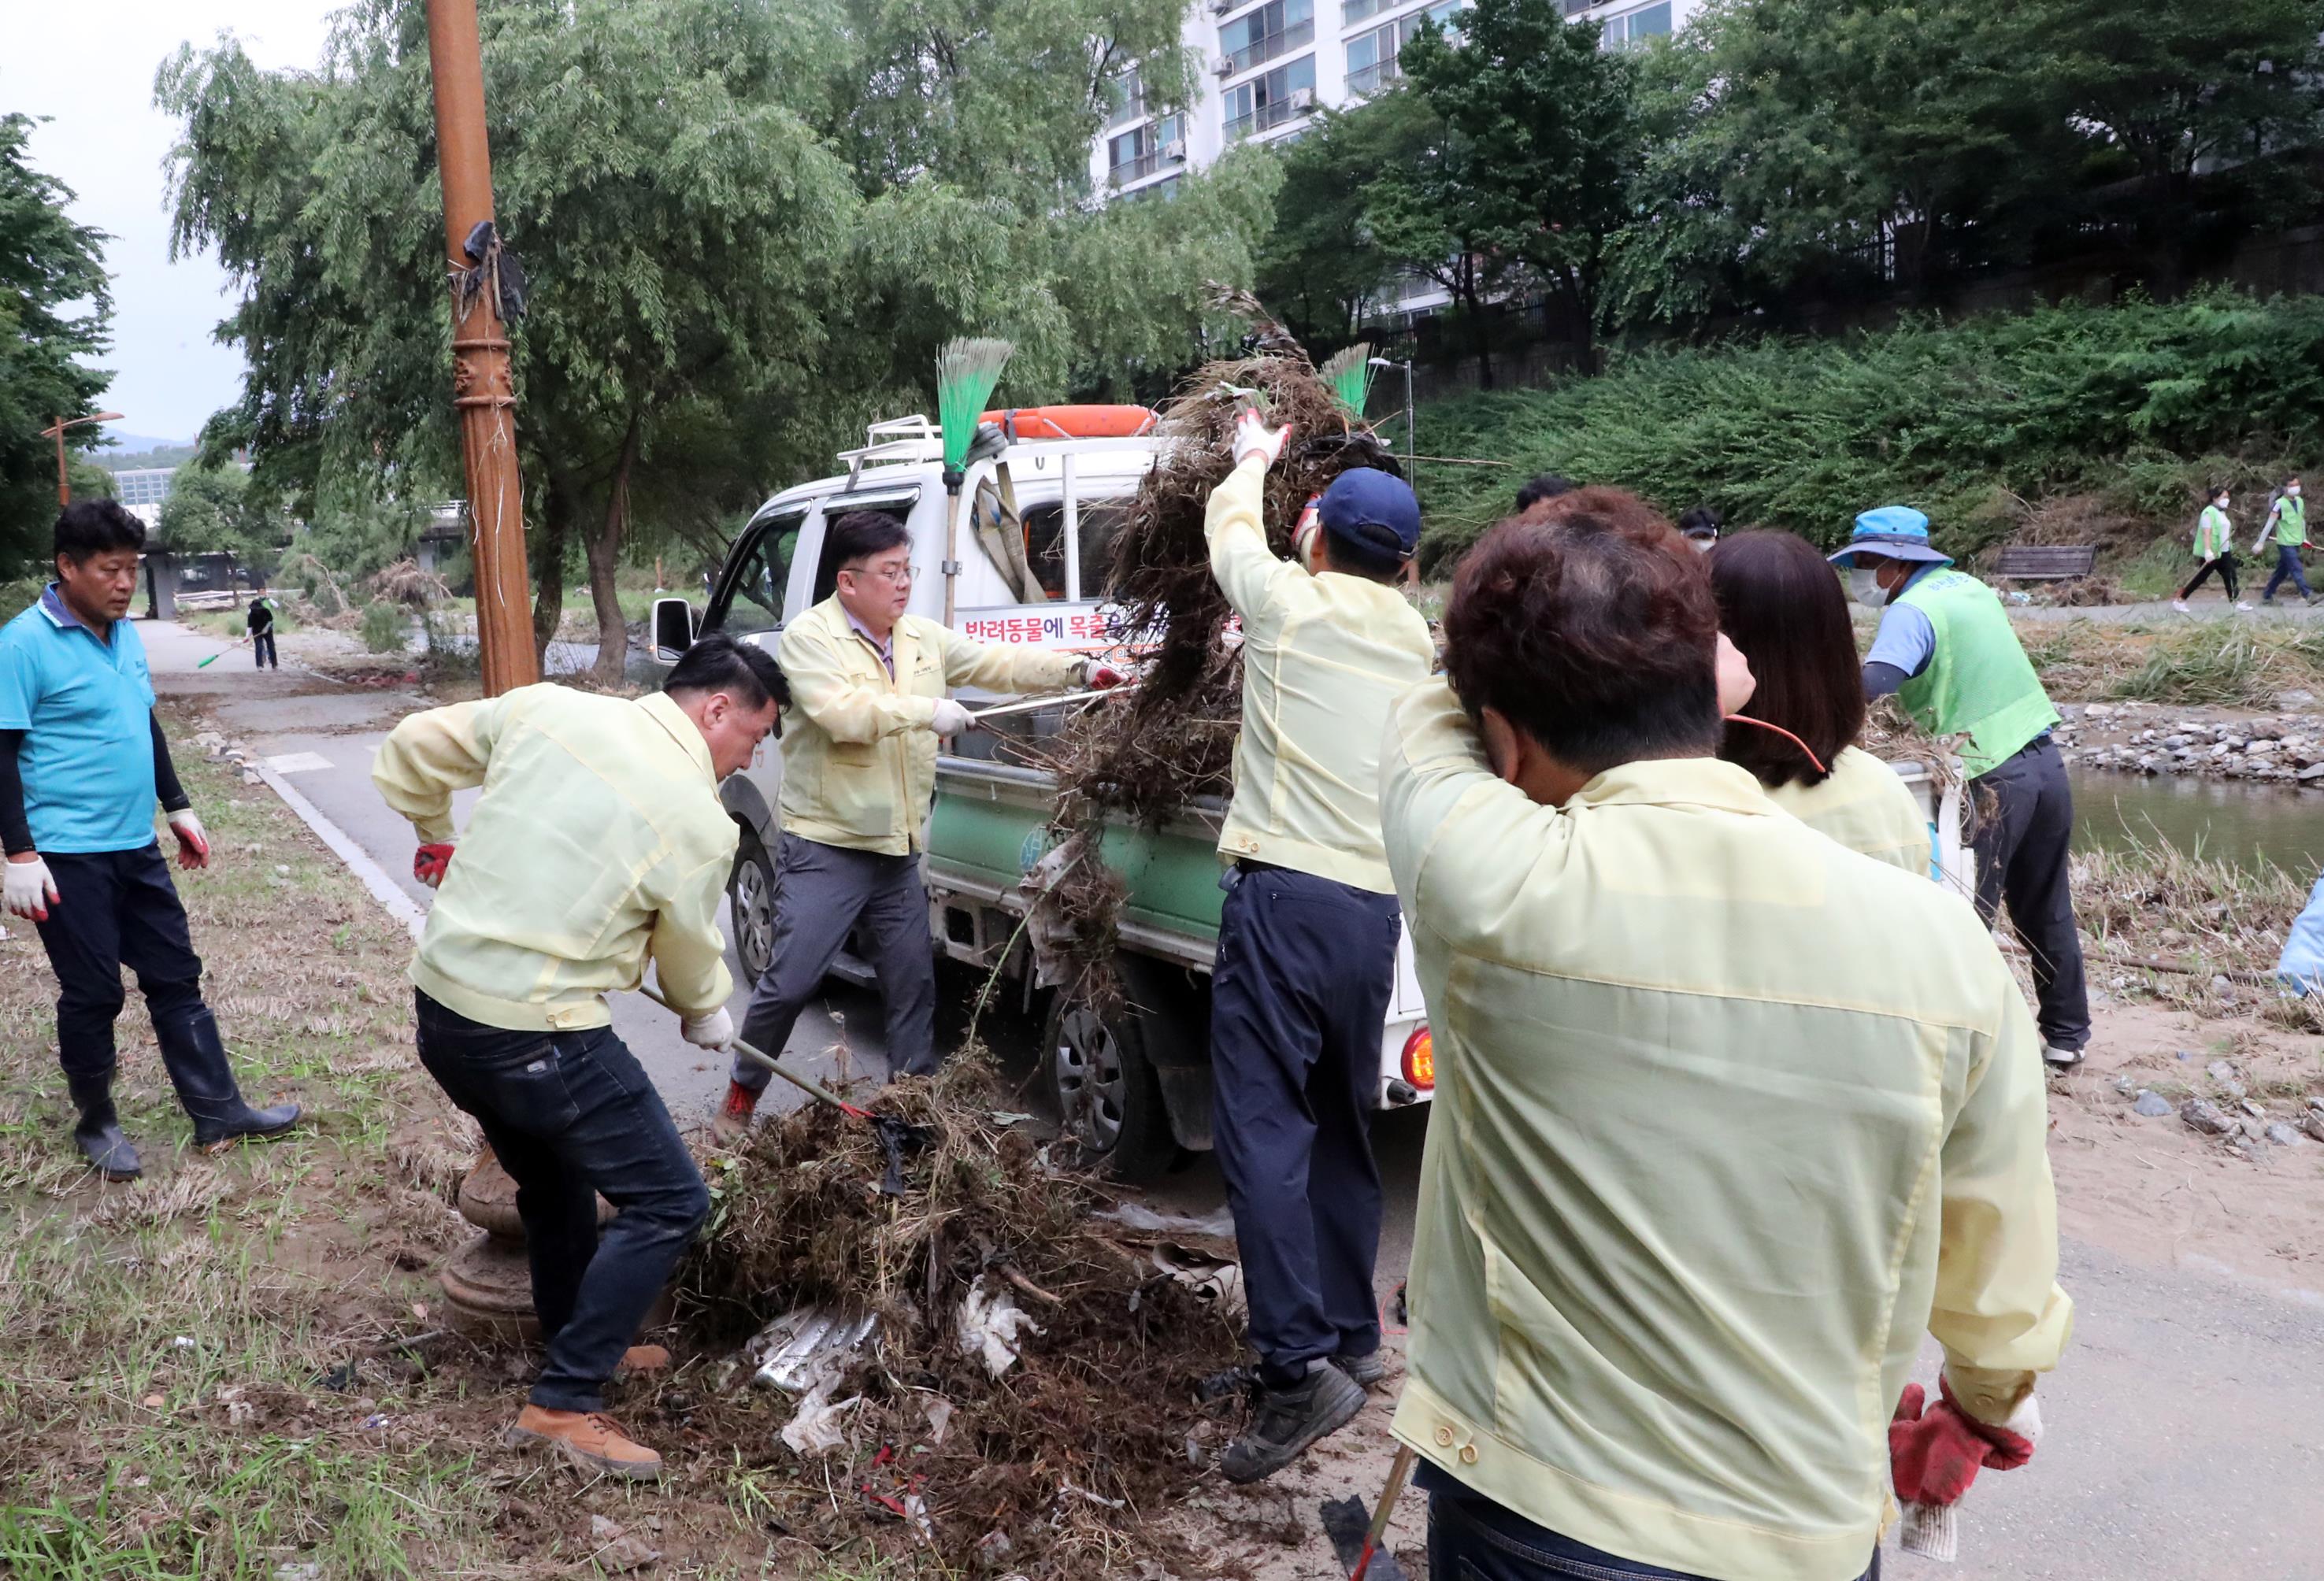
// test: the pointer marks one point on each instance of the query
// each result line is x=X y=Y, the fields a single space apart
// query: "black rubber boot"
x=196 y=1061
x=98 y=1133
x=1284 y=1422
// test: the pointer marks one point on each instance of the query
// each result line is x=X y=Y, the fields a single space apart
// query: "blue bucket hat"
x=1892 y=532
x=1373 y=510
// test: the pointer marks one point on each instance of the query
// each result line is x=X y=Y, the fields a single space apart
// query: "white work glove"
x=1252 y=437
x=1098 y=675
x=193 y=841
x=951 y=718
x=714 y=1031
x=29 y=889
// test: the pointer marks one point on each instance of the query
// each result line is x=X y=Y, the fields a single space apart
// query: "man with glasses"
x=869 y=686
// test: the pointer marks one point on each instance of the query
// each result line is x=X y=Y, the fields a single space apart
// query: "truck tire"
x=751 y=897
x=1108 y=1099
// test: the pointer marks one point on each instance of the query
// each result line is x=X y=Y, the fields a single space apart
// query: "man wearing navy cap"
x=1946 y=649
x=1308 y=938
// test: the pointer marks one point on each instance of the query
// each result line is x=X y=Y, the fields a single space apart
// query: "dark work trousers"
x=2225 y=565
x=570 y=1115
x=113 y=909
x=261 y=648
x=1299 y=995
x=1472 y=1538
x=2287 y=565
x=2021 y=841
x=825 y=890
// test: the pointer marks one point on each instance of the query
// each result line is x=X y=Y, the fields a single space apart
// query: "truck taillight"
x=1420 y=1060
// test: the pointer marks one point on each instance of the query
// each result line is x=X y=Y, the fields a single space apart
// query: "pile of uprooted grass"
x=1173 y=741
x=1059 y=1455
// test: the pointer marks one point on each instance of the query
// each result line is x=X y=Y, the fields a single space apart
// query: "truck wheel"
x=1108 y=1099
x=751 y=894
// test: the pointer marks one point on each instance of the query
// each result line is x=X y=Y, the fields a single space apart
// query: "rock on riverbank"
x=2139 y=737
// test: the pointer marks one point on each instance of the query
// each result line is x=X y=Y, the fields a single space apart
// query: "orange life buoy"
x=1073 y=422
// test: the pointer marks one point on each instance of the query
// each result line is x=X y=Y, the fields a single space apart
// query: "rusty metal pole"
x=64 y=489
x=482 y=388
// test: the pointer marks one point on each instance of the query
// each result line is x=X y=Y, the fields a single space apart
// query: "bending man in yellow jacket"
x=599 y=841
x=868 y=702
x=1308 y=932
x=1726 y=1114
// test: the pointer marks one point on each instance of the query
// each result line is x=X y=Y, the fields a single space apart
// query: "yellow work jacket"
x=1322 y=657
x=1726 y=1116
x=1862 y=805
x=858 y=759
x=599 y=839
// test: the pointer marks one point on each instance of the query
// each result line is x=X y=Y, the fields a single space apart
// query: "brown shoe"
x=646 y=1358
x=588 y=1438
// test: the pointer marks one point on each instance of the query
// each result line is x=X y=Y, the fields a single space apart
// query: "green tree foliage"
x=1961 y=419
x=1549 y=139
x=55 y=304
x=748 y=228
x=210 y=509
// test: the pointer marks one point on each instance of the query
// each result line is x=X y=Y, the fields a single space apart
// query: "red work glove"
x=193 y=840
x=430 y=862
x=1101 y=676
x=1933 y=1458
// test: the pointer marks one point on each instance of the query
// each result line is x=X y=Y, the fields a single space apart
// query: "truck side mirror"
x=673 y=629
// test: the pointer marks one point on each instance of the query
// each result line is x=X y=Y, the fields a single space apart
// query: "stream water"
x=2225 y=820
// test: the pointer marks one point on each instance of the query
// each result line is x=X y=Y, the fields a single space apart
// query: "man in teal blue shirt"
x=82 y=761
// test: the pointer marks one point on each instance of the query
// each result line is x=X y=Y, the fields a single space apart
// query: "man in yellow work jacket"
x=599 y=841
x=1307 y=936
x=868 y=702
x=1726 y=1114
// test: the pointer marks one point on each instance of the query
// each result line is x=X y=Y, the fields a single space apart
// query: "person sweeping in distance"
x=82 y=762
x=870 y=688
x=1685 y=1211
x=599 y=842
x=1308 y=932
x=1946 y=649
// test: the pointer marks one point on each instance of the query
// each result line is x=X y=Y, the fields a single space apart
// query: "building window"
x=1138 y=153
x=1167 y=187
x=1352 y=12
x=1371 y=57
x=1125 y=99
x=1270 y=100
x=1275 y=28
x=1632 y=29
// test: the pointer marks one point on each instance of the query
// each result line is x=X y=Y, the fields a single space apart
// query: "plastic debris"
x=990 y=1325
x=814 y=1429
x=792 y=1351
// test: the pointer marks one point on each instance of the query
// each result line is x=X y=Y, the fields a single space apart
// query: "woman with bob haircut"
x=1780 y=604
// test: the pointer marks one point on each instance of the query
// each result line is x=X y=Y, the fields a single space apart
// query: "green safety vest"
x=2213 y=536
x=1978 y=682
x=2290 y=520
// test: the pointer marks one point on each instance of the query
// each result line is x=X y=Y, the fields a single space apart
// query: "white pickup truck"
x=1016 y=555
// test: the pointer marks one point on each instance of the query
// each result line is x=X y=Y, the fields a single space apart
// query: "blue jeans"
x=1472 y=1538
x=570 y=1115
x=2287 y=564
x=1304 y=970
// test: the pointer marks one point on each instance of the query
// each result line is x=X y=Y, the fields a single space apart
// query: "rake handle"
x=1396 y=1474
x=807 y=1084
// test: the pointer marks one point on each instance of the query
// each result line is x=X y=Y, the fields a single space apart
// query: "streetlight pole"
x=56 y=430
x=483 y=389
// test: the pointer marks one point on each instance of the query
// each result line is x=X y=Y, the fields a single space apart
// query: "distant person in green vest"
x=2287 y=524
x=2215 y=550
x=1946 y=649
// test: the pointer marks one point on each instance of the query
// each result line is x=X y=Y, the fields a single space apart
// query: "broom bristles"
x=1349 y=372
x=966 y=370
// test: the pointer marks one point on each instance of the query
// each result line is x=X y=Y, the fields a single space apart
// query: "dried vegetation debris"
x=1064 y=1450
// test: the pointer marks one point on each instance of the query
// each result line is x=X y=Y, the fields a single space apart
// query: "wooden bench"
x=2045 y=561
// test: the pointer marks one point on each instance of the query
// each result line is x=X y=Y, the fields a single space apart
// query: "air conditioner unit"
x=1174 y=151
x=1222 y=67
x=1303 y=98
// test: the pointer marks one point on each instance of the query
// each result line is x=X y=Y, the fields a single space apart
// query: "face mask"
x=1702 y=543
x=2294 y=490
x=1864 y=587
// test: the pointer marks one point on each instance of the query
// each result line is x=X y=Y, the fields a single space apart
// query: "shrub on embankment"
x=1977 y=422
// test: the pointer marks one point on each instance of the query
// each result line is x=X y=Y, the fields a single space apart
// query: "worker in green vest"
x=1945 y=647
x=2287 y=523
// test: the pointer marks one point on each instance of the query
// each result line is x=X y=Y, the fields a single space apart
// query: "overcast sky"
x=90 y=66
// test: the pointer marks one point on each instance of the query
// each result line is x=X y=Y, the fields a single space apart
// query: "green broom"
x=966 y=370
x=1349 y=374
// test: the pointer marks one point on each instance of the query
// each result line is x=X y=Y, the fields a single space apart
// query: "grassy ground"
x=2227 y=663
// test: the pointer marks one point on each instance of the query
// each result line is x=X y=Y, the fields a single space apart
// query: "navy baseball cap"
x=1372 y=510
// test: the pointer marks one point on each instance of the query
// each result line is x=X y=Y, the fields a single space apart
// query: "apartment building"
x=1268 y=65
